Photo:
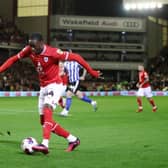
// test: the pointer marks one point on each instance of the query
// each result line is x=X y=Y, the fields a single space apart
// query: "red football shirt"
x=142 y=76
x=46 y=63
x=64 y=79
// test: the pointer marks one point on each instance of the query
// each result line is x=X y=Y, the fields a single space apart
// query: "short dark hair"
x=36 y=36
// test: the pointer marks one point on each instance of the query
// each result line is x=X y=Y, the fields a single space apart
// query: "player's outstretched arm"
x=9 y=62
x=81 y=61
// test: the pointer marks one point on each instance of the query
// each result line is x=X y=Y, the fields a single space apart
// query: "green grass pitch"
x=113 y=137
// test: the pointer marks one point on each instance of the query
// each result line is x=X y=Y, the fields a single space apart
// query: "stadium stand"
x=95 y=46
x=11 y=41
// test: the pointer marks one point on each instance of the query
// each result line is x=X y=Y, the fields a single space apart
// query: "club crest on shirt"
x=45 y=59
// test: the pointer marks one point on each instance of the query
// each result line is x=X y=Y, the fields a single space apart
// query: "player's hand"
x=140 y=85
x=98 y=74
x=82 y=78
x=137 y=85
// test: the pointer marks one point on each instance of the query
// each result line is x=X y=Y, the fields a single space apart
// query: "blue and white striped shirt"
x=72 y=68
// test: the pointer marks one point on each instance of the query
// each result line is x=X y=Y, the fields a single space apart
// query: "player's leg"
x=86 y=99
x=43 y=147
x=149 y=95
x=68 y=103
x=60 y=131
x=151 y=101
x=44 y=112
x=51 y=96
x=139 y=101
x=62 y=100
x=71 y=90
x=54 y=127
x=140 y=94
x=40 y=105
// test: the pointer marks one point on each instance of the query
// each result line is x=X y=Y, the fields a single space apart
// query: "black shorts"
x=74 y=87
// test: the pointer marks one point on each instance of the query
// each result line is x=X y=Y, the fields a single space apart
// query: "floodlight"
x=127 y=6
x=152 y=5
x=140 y=6
x=133 y=6
x=143 y=4
x=146 y=6
x=159 y=5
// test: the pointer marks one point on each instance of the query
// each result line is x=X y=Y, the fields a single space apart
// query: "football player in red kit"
x=46 y=59
x=144 y=89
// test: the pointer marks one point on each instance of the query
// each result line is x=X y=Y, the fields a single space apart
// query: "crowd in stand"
x=159 y=71
x=23 y=77
x=10 y=34
x=96 y=36
x=108 y=86
x=20 y=77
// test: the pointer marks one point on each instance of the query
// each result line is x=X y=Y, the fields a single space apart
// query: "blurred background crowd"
x=23 y=77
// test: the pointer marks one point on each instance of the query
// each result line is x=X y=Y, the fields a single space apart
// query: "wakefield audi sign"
x=98 y=23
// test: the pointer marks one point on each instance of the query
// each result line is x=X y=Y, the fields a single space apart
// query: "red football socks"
x=50 y=125
x=47 y=123
x=57 y=129
x=152 y=102
x=139 y=101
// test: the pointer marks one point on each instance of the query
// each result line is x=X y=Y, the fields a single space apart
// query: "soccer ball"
x=27 y=145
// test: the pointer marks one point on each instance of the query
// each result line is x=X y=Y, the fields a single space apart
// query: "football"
x=27 y=145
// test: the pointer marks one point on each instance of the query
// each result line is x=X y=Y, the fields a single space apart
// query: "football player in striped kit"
x=72 y=69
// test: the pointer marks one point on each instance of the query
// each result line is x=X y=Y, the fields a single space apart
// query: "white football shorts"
x=63 y=92
x=147 y=92
x=50 y=94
